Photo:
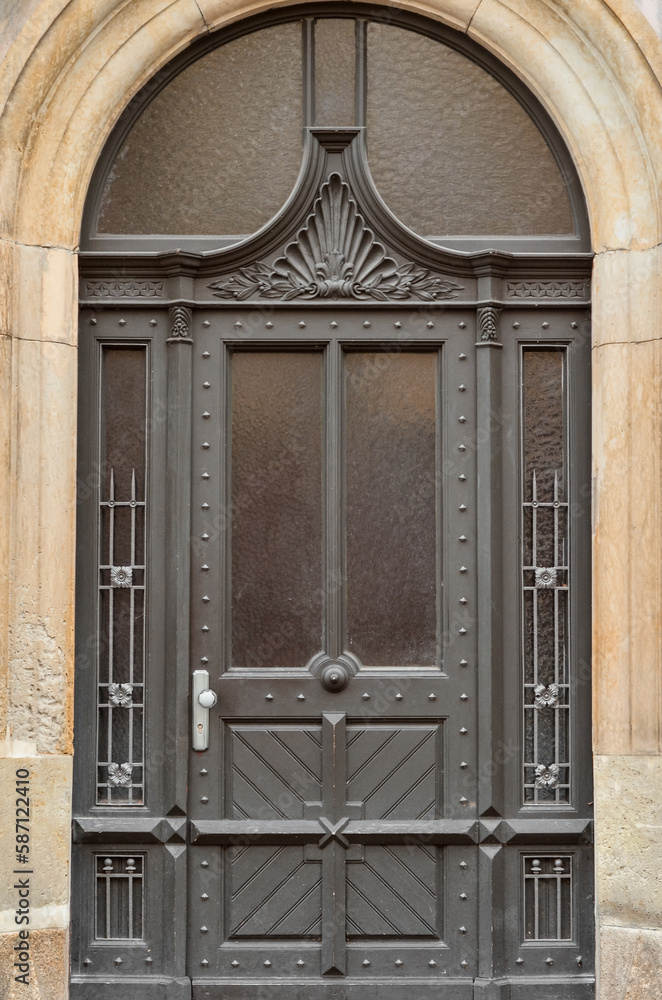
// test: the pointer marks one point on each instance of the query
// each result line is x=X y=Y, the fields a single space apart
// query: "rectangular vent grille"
x=548 y=898
x=119 y=897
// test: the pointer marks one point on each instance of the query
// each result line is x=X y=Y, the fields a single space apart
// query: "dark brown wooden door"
x=332 y=812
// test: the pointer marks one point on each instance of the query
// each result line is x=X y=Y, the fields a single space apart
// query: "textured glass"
x=276 y=508
x=335 y=72
x=544 y=424
x=391 y=518
x=124 y=420
x=450 y=150
x=219 y=149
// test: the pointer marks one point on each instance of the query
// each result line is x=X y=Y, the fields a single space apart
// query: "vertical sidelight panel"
x=390 y=470
x=276 y=507
x=545 y=576
x=121 y=652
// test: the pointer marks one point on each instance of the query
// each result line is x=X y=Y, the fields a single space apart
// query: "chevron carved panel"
x=392 y=889
x=275 y=892
x=393 y=770
x=275 y=770
x=392 y=892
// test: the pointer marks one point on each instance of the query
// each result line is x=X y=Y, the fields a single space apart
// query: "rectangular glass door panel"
x=390 y=475
x=276 y=492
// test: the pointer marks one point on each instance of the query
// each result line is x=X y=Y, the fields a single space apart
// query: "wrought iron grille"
x=119 y=897
x=548 y=898
x=120 y=708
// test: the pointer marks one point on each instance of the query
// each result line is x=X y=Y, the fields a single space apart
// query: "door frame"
x=173 y=289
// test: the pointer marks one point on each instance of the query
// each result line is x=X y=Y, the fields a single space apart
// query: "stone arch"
x=595 y=72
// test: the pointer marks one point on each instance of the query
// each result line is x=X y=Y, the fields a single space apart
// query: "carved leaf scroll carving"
x=181 y=322
x=488 y=323
x=335 y=256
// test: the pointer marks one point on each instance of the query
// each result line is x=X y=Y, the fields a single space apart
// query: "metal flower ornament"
x=121 y=576
x=119 y=774
x=545 y=577
x=120 y=695
x=546 y=697
x=547 y=775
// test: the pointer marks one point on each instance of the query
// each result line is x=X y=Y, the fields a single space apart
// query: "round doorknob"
x=335 y=677
x=207 y=698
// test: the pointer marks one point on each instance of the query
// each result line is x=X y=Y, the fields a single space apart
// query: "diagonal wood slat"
x=386 y=896
x=381 y=761
x=275 y=893
x=274 y=770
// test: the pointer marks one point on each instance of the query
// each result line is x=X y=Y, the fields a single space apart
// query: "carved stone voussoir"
x=335 y=256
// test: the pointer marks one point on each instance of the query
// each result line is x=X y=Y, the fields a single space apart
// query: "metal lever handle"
x=203 y=698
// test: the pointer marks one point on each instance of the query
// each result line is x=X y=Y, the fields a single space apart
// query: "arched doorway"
x=337 y=467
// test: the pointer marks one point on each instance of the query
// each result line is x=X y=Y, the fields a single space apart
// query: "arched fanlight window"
x=210 y=153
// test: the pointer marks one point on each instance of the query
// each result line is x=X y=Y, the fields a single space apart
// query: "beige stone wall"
x=67 y=69
x=652 y=11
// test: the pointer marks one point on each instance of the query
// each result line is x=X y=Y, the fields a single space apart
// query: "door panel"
x=333 y=810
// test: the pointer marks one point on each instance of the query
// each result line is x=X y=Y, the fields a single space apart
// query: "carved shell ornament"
x=335 y=256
